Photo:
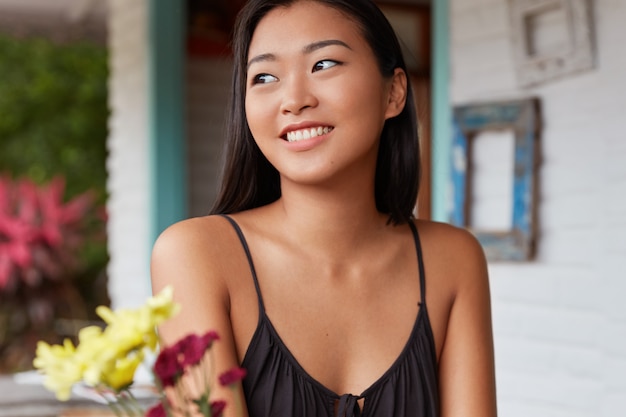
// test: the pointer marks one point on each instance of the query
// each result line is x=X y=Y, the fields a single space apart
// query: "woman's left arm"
x=466 y=363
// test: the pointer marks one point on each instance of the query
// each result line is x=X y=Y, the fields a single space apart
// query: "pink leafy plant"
x=52 y=256
x=40 y=234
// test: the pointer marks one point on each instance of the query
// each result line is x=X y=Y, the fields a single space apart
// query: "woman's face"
x=316 y=101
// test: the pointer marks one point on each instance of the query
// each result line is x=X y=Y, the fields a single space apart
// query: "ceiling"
x=55 y=19
x=69 y=9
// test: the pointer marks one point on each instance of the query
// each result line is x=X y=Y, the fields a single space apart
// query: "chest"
x=344 y=330
x=281 y=383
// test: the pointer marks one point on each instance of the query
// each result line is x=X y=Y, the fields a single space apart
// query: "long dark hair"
x=249 y=180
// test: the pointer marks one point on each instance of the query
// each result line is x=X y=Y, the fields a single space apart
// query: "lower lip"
x=306 y=144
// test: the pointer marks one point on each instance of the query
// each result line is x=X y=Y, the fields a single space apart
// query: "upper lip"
x=300 y=126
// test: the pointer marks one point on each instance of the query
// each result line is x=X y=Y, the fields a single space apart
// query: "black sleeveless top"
x=276 y=385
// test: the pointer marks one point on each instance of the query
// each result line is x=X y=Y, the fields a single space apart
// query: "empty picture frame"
x=551 y=39
x=522 y=118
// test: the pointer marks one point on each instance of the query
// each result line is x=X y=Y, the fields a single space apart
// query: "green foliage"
x=53 y=112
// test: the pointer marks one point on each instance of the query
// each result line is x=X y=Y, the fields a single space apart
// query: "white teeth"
x=307 y=133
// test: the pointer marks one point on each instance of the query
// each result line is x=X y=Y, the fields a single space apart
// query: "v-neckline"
x=265 y=320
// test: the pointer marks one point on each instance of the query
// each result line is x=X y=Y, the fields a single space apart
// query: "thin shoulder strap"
x=244 y=243
x=420 y=263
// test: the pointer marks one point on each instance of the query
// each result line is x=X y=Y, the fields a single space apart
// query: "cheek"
x=365 y=89
x=367 y=103
x=252 y=115
x=259 y=120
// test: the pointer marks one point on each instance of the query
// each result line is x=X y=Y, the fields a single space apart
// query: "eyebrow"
x=306 y=50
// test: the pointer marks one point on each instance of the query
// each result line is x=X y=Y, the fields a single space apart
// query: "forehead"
x=302 y=22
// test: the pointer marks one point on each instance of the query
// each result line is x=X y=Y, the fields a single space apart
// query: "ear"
x=397 y=94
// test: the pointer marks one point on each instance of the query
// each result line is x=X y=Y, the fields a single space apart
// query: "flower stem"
x=134 y=402
x=127 y=406
x=113 y=406
x=181 y=398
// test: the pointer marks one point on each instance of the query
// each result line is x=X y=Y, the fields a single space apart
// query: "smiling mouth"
x=304 y=134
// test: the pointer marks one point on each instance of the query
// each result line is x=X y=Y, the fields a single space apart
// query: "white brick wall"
x=128 y=169
x=560 y=320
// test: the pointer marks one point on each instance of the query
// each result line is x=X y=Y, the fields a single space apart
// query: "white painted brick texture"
x=560 y=320
x=128 y=172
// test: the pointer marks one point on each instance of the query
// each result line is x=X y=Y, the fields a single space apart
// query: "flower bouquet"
x=106 y=360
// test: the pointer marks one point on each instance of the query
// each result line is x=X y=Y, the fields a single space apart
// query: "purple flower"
x=217 y=407
x=210 y=337
x=156 y=411
x=167 y=367
x=191 y=349
x=232 y=376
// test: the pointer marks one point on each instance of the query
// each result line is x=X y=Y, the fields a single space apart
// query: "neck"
x=333 y=219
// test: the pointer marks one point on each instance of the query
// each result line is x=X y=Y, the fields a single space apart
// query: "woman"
x=320 y=281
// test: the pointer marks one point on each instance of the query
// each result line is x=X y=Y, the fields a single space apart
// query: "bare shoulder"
x=446 y=236
x=452 y=251
x=196 y=256
x=204 y=234
x=194 y=242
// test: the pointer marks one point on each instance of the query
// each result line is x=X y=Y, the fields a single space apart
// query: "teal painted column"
x=166 y=45
x=441 y=110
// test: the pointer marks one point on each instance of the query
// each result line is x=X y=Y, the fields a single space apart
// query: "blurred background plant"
x=53 y=129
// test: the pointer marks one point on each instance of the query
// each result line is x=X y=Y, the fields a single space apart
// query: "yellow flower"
x=127 y=333
x=162 y=305
x=106 y=314
x=121 y=374
x=133 y=329
x=93 y=353
x=106 y=357
x=126 y=330
x=61 y=370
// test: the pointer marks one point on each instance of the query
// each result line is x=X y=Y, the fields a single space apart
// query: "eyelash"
x=331 y=61
x=319 y=66
x=258 y=79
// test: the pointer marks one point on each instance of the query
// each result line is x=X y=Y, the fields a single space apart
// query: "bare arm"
x=466 y=365
x=188 y=256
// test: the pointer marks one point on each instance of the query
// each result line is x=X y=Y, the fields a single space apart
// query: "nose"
x=297 y=95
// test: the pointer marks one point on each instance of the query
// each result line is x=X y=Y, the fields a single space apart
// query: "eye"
x=264 y=79
x=324 y=64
